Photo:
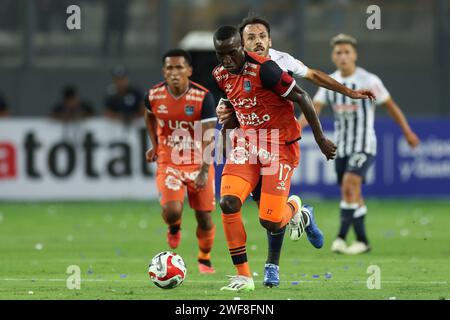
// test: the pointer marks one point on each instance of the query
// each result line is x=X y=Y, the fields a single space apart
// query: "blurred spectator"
x=72 y=108
x=116 y=23
x=4 y=112
x=123 y=101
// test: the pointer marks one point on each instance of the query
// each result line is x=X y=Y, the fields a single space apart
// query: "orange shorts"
x=172 y=182
x=240 y=177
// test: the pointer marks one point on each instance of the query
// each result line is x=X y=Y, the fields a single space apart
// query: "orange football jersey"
x=258 y=94
x=177 y=117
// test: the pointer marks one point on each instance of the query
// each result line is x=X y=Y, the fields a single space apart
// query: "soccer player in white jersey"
x=355 y=137
x=255 y=34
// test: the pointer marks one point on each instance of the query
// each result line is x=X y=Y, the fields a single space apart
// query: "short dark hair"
x=69 y=91
x=254 y=20
x=225 y=33
x=178 y=53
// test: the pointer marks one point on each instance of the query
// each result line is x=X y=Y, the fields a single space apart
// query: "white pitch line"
x=220 y=281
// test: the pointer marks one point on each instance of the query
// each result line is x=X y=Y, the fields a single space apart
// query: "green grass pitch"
x=112 y=243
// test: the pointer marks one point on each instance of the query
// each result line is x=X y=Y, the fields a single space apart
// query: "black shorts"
x=357 y=163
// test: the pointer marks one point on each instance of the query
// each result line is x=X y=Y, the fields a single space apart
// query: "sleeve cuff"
x=208 y=119
x=284 y=95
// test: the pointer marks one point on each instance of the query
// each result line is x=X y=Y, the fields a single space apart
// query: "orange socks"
x=236 y=240
x=205 y=242
x=243 y=269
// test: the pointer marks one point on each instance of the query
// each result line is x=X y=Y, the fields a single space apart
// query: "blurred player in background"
x=261 y=94
x=123 y=101
x=71 y=107
x=255 y=34
x=355 y=136
x=4 y=112
x=174 y=108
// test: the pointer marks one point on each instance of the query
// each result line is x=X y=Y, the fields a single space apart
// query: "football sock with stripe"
x=347 y=212
x=236 y=240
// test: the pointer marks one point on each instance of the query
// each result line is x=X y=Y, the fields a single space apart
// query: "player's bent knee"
x=230 y=204
x=172 y=212
x=171 y=216
x=269 y=225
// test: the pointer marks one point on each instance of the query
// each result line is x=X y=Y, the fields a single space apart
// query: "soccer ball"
x=167 y=270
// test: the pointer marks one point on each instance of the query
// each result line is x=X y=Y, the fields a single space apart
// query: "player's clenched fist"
x=223 y=111
x=328 y=148
x=151 y=155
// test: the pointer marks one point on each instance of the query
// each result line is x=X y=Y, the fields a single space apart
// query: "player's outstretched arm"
x=321 y=79
x=150 y=122
x=396 y=113
x=318 y=106
x=302 y=98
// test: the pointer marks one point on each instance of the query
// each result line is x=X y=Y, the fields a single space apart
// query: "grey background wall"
x=38 y=55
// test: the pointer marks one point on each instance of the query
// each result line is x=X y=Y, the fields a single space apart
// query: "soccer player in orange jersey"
x=266 y=144
x=256 y=37
x=176 y=110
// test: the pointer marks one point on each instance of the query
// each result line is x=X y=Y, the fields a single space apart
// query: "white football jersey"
x=354 y=119
x=288 y=63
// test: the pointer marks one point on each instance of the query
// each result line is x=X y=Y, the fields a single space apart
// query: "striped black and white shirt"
x=354 y=119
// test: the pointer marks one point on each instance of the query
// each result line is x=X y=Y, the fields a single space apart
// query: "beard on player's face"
x=257 y=39
x=260 y=49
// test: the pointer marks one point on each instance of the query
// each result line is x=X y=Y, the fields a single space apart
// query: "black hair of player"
x=254 y=20
x=69 y=92
x=225 y=33
x=178 y=53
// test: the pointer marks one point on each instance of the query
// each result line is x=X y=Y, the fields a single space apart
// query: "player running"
x=174 y=108
x=255 y=34
x=261 y=94
x=355 y=136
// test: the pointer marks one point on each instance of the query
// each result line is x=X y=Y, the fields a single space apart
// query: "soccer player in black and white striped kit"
x=355 y=137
